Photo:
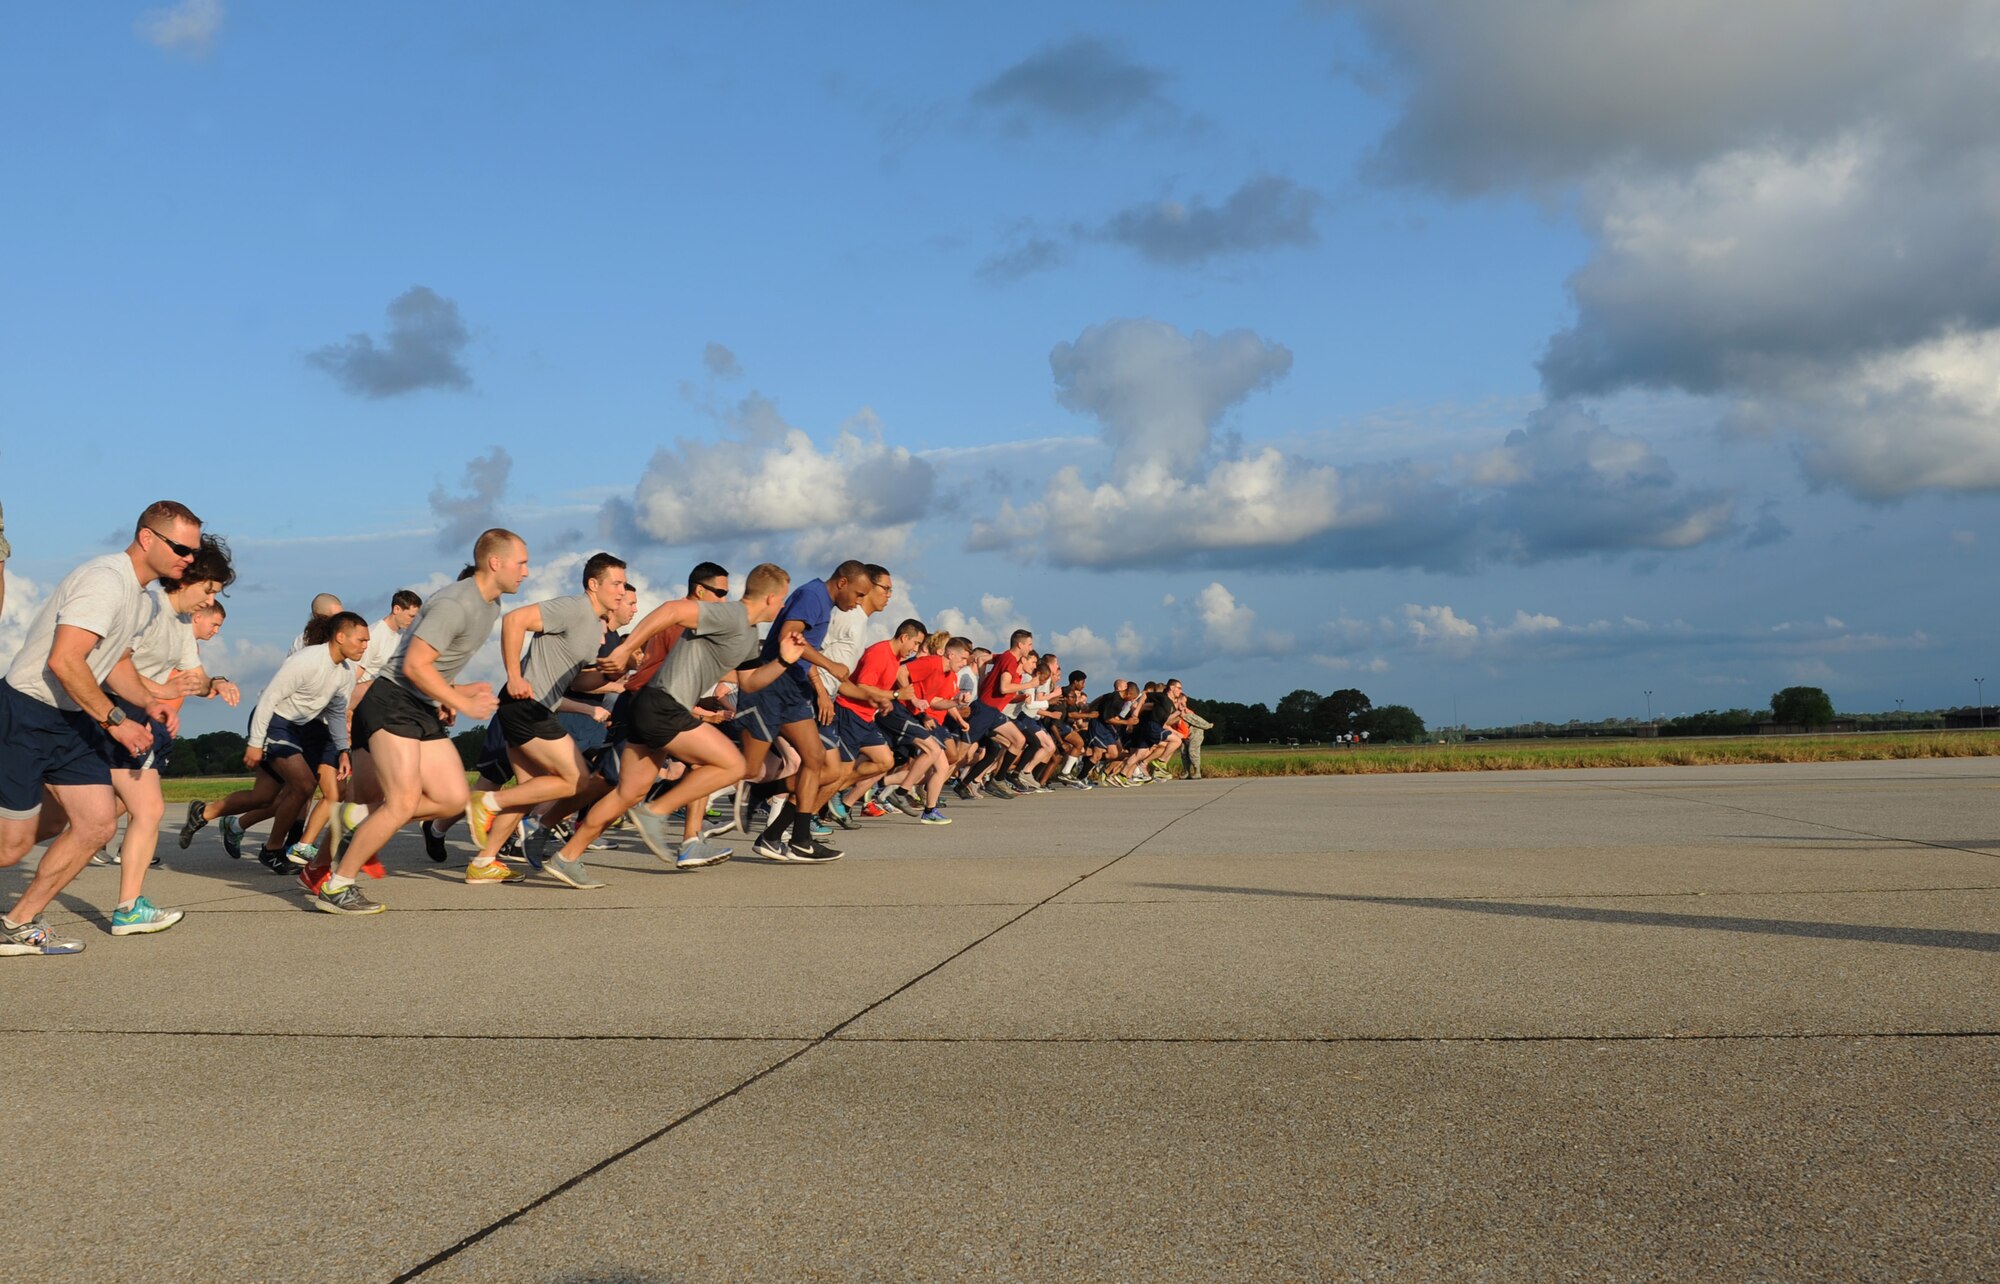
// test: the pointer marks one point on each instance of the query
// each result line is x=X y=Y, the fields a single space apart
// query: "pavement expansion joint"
x=446 y=1254
x=1740 y=1036
x=391 y=1036
x=1557 y=897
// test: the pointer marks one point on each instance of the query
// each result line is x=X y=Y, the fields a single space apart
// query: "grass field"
x=1535 y=755
x=1544 y=754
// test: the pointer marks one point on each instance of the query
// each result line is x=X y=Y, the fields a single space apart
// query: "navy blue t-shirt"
x=811 y=605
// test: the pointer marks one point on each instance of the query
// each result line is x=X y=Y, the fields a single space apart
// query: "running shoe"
x=655 y=830
x=143 y=917
x=434 y=844
x=510 y=851
x=479 y=819
x=994 y=789
x=963 y=790
x=571 y=872
x=901 y=801
x=99 y=858
x=348 y=900
x=33 y=938
x=301 y=853
x=772 y=846
x=813 y=853
x=315 y=874
x=536 y=844
x=197 y=817
x=700 y=854
x=874 y=810
x=933 y=816
x=843 y=816
x=274 y=860
x=231 y=830
x=820 y=829
x=492 y=872
x=373 y=867
x=118 y=858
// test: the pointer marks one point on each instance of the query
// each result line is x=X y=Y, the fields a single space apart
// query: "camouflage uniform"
x=1191 y=751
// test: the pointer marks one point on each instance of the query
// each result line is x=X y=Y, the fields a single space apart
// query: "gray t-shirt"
x=571 y=632
x=105 y=597
x=457 y=621
x=165 y=641
x=721 y=641
x=382 y=644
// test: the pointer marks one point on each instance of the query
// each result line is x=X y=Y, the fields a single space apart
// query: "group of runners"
x=767 y=714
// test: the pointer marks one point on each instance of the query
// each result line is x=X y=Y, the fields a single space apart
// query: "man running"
x=54 y=713
x=673 y=715
x=569 y=632
x=401 y=723
x=788 y=707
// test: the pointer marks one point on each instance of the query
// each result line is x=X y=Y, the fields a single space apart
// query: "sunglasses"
x=179 y=550
x=719 y=592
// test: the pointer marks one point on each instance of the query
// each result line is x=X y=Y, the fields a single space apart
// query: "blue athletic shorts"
x=1100 y=736
x=790 y=699
x=856 y=732
x=43 y=745
x=985 y=721
x=903 y=728
x=308 y=740
x=155 y=756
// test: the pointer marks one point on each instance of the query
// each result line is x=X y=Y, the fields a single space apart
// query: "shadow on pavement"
x=1934 y=938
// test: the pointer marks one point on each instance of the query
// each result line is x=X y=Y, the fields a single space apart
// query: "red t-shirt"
x=876 y=668
x=931 y=682
x=1004 y=663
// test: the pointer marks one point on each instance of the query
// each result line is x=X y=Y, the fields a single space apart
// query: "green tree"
x=468 y=743
x=1295 y=714
x=1802 y=707
x=1392 y=724
x=1339 y=713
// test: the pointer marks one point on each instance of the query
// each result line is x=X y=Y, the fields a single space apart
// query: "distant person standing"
x=1198 y=727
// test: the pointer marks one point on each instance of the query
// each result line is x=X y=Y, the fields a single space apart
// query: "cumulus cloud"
x=1035 y=253
x=1268 y=212
x=721 y=362
x=24 y=598
x=188 y=27
x=422 y=350
x=463 y=515
x=1081 y=83
x=1157 y=393
x=1563 y=485
x=1790 y=203
x=856 y=497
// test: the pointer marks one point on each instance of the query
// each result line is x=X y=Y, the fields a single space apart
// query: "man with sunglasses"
x=55 y=713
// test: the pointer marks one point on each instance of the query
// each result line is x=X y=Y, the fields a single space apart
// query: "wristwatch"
x=113 y=719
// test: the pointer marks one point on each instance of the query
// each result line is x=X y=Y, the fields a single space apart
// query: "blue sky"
x=1526 y=363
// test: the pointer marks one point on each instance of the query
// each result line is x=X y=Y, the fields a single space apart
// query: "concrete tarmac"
x=1680 y=1023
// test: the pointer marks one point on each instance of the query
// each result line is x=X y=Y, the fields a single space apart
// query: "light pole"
x=1649 y=707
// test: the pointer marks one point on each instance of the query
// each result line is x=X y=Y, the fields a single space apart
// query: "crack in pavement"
x=446 y=1254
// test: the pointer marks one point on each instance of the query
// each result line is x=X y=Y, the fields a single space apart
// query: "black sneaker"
x=511 y=849
x=434 y=844
x=814 y=853
x=963 y=790
x=275 y=861
x=197 y=818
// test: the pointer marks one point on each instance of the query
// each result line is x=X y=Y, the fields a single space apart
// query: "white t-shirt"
x=104 y=596
x=382 y=643
x=843 y=643
x=165 y=641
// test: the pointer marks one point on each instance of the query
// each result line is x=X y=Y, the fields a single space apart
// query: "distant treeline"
x=1307 y=716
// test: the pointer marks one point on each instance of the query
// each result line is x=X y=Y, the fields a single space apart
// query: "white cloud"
x=188 y=27
x=24 y=598
x=1564 y=485
x=1791 y=204
x=858 y=497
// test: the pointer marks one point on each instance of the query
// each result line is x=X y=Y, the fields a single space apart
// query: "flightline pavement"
x=1722 y=1022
